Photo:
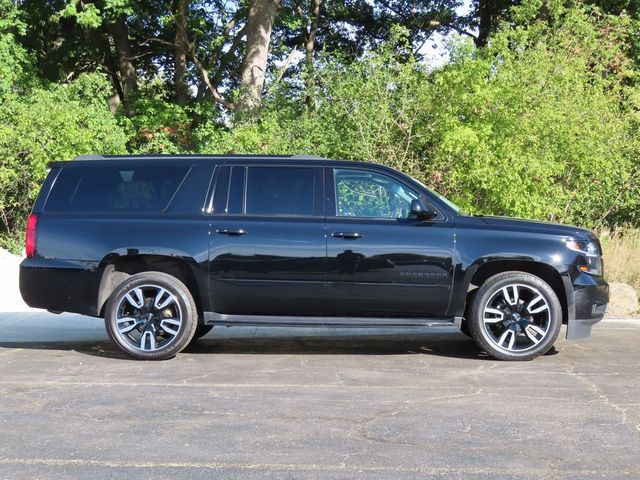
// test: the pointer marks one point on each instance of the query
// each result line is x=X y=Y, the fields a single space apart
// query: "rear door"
x=267 y=244
x=380 y=261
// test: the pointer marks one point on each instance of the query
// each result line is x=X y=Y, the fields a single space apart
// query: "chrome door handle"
x=347 y=235
x=233 y=233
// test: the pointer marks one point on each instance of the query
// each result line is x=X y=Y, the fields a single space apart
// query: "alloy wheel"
x=148 y=318
x=516 y=318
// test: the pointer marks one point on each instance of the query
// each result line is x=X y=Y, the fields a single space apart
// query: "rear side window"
x=115 y=189
x=280 y=191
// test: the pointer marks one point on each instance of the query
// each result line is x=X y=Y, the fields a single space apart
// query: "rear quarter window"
x=115 y=189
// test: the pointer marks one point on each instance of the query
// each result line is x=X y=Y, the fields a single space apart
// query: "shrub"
x=55 y=123
x=543 y=123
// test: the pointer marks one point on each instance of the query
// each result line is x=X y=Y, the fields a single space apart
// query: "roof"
x=199 y=157
x=229 y=158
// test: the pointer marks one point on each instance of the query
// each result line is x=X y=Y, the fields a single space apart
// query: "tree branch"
x=229 y=54
x=461 y=31
x=214 y=91
x=233 y=22
x=205 y=74
x=285 y=65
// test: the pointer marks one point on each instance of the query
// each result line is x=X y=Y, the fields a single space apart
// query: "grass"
x=621 y=252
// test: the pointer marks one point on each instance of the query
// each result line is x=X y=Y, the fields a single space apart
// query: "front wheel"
x=151 y=316
x=515 y=316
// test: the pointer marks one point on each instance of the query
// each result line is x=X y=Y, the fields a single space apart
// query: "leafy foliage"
x=14 y=58
x=48 y=124
x=543 y=123
x=540 y=124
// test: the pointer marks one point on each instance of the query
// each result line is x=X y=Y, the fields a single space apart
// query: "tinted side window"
x=229 y=190
x=236 y=190
x=280 y=191
x=368 y=194
x=115 y=189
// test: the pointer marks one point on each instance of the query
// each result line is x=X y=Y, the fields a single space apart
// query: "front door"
x=380 y=261
x=267 y=244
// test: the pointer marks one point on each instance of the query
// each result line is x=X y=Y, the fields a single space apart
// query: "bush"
x=540 y=124
x=368 y=109
x=55 y=123
x=543 y=123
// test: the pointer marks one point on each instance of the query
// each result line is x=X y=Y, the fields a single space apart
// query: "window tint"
x=366 y=194
x=221 y=193
x=280 y=191
x=236 y=190
x=115 y=189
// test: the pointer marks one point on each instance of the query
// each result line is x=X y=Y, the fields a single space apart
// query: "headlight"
x=592 y=261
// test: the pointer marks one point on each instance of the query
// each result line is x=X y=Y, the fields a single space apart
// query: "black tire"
x=515 y=316
x=151 y=316
x=201 y=331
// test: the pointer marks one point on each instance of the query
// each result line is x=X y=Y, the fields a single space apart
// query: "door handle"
x=233 y=233
x=347 y=235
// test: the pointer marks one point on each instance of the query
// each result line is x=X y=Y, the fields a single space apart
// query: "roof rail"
x=306 y=157
x=89 y=157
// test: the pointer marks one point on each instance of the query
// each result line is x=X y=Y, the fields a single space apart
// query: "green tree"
x=542 y=123
x=15 y=62
x=56 y=123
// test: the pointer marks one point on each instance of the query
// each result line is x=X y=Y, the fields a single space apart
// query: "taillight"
x=32 y=223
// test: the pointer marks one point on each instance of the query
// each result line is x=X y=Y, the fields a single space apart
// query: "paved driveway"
x=247 y=403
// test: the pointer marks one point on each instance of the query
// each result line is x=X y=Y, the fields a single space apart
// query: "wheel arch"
x=117 y=268
x=546 y=272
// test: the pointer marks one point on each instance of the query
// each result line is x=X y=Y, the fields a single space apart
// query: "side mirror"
x=420 y=211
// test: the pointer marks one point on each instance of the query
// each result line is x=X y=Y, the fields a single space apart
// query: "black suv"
x=166 y=247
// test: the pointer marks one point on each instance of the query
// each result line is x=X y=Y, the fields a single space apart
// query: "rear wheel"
x=151 y=316
x=515 y=316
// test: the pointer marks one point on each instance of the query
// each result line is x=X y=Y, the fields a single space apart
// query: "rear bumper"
x=590 y=300
x=59 y=285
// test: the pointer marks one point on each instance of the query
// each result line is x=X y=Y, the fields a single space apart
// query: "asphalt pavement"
x=265 y=403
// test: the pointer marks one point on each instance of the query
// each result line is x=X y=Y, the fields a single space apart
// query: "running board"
x=214 y=318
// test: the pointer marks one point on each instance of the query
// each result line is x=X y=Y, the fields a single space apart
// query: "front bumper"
x=590 y=298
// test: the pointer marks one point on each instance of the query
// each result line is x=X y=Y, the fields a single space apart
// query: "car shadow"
x=333 y=341
x=86 y=335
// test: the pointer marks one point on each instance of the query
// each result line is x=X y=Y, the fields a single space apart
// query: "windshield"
x=441 y=197
x=448 y=202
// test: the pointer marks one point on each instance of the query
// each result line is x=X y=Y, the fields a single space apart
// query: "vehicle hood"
x=533 y=226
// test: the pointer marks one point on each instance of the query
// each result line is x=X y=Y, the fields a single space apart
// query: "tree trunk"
x=180 y=52
x=309 y=47
x=262 y=14
x=486 y=17
x=128 y=75
x=108 y=61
